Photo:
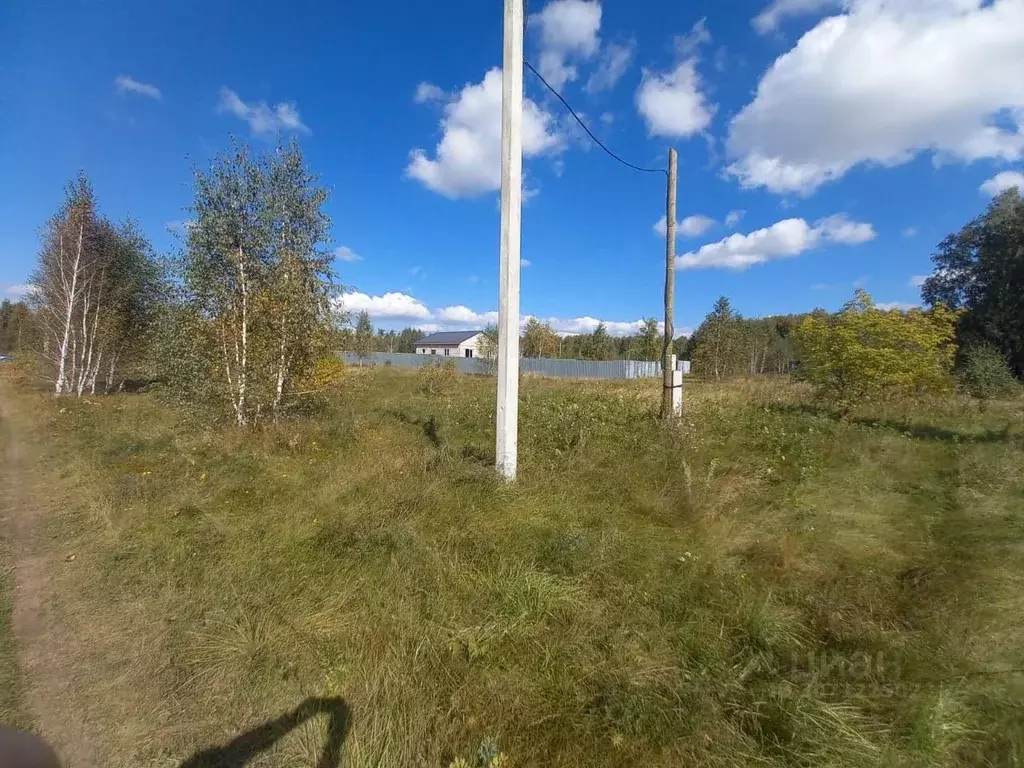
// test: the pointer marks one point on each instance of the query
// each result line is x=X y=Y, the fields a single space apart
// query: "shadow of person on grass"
x=240 y=750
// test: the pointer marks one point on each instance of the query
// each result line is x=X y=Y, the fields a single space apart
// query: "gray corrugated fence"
x=566 y=369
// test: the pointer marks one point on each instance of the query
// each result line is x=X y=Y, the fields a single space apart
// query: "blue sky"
x=824 y=144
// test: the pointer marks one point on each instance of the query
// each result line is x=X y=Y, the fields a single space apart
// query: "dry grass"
x=768 y=585
x=11 y=706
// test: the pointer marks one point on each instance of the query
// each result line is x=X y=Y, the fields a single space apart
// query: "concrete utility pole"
x=511 y=239
x=672 y=392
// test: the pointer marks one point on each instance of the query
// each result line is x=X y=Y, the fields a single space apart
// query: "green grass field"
x=767 y=585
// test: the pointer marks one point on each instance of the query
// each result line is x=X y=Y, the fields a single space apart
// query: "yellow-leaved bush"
x=327 y=373
x=864 y=353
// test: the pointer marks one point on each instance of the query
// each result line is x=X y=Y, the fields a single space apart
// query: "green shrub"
x=864 y=353
x=438 y=378
x=985 y=373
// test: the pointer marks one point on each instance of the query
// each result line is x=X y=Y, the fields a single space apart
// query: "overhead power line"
x=585 y=128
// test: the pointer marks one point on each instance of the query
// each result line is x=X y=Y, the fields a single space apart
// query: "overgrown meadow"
x=768 y=584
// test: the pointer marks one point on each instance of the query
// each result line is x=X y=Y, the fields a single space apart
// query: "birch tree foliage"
x=717 y=345
x=255 y=283
x=650 y=340
x=363 y=336
x=94 y=288
x=539 y=339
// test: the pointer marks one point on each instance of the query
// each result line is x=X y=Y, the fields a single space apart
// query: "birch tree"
x=256 y=282
x=539 y=339
x=649 y=347
x=363 y=337
x=717 y=345
x=94 y=284
x=61 y=280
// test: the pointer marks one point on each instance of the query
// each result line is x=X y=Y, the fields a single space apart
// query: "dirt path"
x=46 y=651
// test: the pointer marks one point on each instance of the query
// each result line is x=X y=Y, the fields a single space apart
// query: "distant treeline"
x=725 y=344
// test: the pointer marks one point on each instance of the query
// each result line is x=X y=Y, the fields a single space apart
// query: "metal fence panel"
x=566 y=369
x=406 y=360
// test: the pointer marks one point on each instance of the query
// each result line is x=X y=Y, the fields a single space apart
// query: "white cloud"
x=734 y=217
x=125 y=84
x=607 y=118
x=403 y=308
x=695 y=226
x=881 y=83
x=524 y=263
x=587 y=324
x=768 y=20
x=910 y=232
x=671 y=103
x=614 y=61
x=1002 y=182
x=691 y=226
x=568 y=29
x=19 y=290
x=263 y=119
x=688 y=45
x=344 y=253
x=429 y=92
x=784 y=239
x=918 y=280
x=467 y=160
x=839 y=229
x=462 y=316
x=902 y=306
x=390 y=306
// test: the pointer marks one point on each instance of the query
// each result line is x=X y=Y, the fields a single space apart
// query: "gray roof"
x=448 y=337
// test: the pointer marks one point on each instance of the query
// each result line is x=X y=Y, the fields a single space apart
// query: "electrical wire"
x=585 y=128
x=590 y=133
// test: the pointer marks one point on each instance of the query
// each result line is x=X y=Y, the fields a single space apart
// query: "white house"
x=451 y=344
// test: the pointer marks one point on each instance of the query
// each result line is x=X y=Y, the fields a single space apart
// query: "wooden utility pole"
x=511 y=237
x=671 y=393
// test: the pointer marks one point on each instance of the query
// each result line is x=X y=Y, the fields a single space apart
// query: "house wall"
x=472 y=343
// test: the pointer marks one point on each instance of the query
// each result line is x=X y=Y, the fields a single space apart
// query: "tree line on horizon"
x=538 y=339
x=245 y=316
x=725 y=344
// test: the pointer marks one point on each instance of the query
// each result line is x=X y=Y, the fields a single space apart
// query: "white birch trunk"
x=281 y=366
x=110 y=372
x=89 y=369
x=69 y=295
x=82 y=366
x=282 y=359
x=72 y=375
x=243 y=369
x=95 y=372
